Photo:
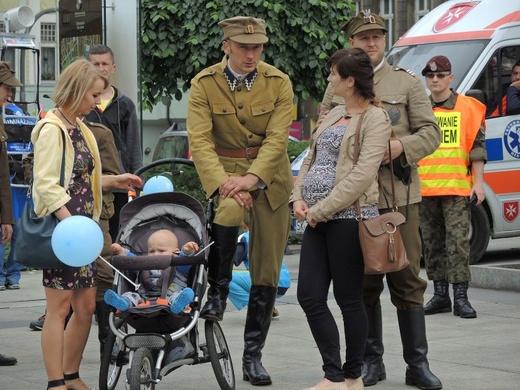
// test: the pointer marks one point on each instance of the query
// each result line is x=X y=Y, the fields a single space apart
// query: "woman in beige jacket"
x=325 y=193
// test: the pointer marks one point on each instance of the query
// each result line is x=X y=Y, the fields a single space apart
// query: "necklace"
x=63 y=115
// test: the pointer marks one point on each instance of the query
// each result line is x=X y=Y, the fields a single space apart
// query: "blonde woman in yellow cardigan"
x=76 y=94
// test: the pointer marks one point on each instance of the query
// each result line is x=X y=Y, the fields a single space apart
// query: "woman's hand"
x=300 y=210
x=117 y=249
x=121 y=182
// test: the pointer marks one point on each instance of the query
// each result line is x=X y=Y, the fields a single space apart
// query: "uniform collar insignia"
x=234 y=82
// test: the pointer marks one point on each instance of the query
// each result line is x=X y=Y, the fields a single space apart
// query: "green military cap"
x=364 y=21
x=244 y=29
x=7 y=75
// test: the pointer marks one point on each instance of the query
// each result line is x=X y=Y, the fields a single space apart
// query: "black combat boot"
x=102 y=313
x=415 y=348
x=440 y=302
x=220 y=265
x=258 y=320
x=373 y=366
x=461 y=305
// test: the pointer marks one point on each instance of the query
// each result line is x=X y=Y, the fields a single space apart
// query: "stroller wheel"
x=115 y=356
x=140 y=374
x=219 y=355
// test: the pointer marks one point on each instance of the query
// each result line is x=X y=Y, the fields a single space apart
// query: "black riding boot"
x=461 y=305
x=258 y=320
x=373 y=366
x=102 y=313
x=440 y=302
x=415 y=348
x=220 y=265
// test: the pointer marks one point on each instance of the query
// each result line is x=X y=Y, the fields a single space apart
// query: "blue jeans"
x=10 y=270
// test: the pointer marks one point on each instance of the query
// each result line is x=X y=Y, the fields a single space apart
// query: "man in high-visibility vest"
x=451 y=179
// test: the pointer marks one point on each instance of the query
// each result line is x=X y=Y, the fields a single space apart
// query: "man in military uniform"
x=7 y=83
x=417 y=135
x=450 y=177
x=239 y=113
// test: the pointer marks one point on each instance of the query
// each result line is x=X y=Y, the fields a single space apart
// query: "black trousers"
x=331 y=253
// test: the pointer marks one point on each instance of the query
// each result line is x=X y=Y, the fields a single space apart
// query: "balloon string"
x=136 y=286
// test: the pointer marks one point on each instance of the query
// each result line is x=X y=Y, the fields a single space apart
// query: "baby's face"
x=158 y=246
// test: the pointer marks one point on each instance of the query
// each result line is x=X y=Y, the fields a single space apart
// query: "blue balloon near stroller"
x=157 y=184
x=77 y=241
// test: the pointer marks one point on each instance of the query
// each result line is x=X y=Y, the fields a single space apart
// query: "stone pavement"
x=479 y=354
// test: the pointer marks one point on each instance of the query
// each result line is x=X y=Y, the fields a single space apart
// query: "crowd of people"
x=239 y=113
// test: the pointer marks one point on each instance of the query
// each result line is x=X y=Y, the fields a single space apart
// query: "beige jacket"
x=352 y=182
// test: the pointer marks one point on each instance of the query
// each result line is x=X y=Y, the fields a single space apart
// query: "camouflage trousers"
x=445 y=223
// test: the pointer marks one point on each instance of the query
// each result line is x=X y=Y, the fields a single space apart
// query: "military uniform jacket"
x=6 y=205
x=240 y=119
x=109 y=162
x=405 y=100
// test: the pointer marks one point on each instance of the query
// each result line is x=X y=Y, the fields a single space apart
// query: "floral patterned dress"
x=81 y=203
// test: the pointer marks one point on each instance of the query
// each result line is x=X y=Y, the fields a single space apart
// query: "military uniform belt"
x=248 y=153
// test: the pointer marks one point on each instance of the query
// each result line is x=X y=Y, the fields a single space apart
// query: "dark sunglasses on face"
x=440 y=76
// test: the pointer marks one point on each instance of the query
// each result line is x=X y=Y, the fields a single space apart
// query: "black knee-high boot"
x=415 y=348
x=102 y=313
x=373 y=366
x=258 y=320
x=220 y=266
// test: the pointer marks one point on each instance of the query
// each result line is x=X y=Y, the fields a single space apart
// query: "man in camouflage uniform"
x=450 y=177
x=417 y=135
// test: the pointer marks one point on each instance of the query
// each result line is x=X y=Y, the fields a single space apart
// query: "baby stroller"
x=162 y=341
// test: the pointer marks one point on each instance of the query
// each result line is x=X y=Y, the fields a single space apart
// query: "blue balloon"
x=157 y=184
x=77 y=241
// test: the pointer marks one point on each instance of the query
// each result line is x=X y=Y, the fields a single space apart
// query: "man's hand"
x=300 y=210
x=7 y=233
x=235 y=184
x=516 y=84
x=244 y=199
x=397 y=149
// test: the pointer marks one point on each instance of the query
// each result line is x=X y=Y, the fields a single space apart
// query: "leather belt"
x=248 y=153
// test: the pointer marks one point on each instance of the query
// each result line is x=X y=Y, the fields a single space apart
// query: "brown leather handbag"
x=380 y=237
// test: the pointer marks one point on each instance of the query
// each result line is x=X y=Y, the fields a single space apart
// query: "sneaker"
x=182 y=300
x=117 y=301
x=38 y=324
x=13 y=286
x=276 y=314
x=2 y=287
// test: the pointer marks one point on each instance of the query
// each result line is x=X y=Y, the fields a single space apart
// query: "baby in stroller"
x=178 y=295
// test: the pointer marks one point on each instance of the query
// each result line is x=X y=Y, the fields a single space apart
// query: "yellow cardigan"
x=47 y=194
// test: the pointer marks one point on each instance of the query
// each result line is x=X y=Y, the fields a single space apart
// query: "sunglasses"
x=440 y=76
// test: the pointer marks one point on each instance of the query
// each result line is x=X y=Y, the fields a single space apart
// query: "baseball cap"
x=244 y=29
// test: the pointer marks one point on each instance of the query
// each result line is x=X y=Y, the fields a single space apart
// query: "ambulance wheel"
x=114 y=357
x=140 y=374
x=479 y=233
x=219 y=355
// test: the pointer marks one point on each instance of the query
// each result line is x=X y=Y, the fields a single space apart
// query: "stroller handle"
x=154 y=262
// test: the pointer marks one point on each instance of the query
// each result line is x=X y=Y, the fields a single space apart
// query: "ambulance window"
x=495 y=78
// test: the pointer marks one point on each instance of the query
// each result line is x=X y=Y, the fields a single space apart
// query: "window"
x=495 y=78
x=387 y=13
x=422 y=7
x=48 y=51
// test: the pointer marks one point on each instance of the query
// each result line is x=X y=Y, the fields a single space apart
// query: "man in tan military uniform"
x=404 y=98
x=239 y=113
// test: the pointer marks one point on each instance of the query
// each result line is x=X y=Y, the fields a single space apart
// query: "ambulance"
x=482 y=41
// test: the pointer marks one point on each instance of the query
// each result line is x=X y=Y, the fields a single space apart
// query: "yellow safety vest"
x=446 y=171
